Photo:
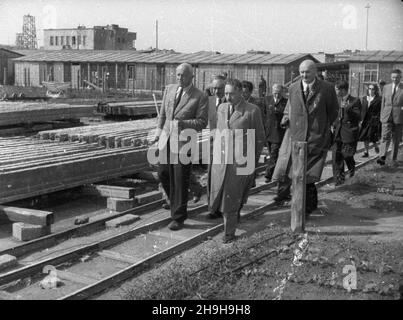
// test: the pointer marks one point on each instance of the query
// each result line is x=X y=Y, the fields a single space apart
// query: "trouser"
x=195 y=186
x=271 y=163
x=391 y=132
x=230 y=222
x=311 y=195
x=175 y=181
x=343 y=152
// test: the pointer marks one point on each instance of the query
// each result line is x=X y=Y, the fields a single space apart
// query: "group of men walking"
x=325 y=116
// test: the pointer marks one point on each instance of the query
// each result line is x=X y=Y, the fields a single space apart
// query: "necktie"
x=307 y=92
x=231 y=111
x=394 y=91
x=178 y=97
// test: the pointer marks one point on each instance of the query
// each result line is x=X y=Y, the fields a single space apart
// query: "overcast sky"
x=228 y=26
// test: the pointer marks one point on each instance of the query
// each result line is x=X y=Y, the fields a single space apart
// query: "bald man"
x=275 y=105
x=311 y=109
x=184 y=106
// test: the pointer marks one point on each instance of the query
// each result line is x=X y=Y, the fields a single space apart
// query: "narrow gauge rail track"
x=81 y=279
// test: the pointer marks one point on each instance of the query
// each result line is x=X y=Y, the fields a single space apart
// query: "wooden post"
x=116 y=75
x=5 y=76
x=299 y=162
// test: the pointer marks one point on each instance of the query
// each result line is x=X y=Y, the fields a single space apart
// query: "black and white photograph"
x=204 y=156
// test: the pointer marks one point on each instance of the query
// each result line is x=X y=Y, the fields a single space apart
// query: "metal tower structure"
x=27 y=39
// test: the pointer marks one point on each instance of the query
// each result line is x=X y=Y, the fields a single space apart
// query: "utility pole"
x=366 y=35
x=156 y=35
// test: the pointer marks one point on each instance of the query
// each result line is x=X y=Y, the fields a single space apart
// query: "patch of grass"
x=209 y=274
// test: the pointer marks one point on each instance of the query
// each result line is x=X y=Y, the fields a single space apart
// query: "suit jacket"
x=258 y=102
x=309 y=121
x=191 y=112
x=392 y=108
x=223 y=173
x=347 y=123
x=274 y=114
x=212 y=112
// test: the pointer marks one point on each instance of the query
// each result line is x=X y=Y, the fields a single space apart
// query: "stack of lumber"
x=19 y=112
x=31 y=167
x=132 y=108
x=113 y=135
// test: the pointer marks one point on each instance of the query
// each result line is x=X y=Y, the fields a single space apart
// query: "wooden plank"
x=114 y=191
x=31 y=216
x=73 y=277
x=117 y=256
x=299 y=163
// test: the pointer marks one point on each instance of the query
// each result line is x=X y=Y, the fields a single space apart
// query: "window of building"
x=118 y=40
x=84 y=40
x=73 y=40
x=61 y=40
x=56 y=40
x=131 y=72
x=371 y=71
x=68 y=40
x=51 y=40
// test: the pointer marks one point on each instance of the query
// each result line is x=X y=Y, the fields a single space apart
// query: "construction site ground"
x=358 y=226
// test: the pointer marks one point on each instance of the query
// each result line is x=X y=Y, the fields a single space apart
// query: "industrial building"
x=110 y=37
x=7 y=65
x=133 y=70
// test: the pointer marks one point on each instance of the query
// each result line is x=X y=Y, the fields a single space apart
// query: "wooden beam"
x=299 y=162
x=38 y=217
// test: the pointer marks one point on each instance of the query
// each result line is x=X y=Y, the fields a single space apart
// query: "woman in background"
x=370 y=117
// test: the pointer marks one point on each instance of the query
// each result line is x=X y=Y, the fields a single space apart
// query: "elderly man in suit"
x=183 y=107
x=311 y=108
x=275 y=105
x=346 y=130
x=231 y=177
x=392 y=117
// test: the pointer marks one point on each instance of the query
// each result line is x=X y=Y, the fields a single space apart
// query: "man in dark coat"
x=275 y=105
x=346 y=130
x=311 y=108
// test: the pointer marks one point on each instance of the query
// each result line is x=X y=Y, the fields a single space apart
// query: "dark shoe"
x=267 y=180
x=214 y=215
x=377 y=149
x=229 y=238
x=166 y=206
x=352 y=173
x=196 y=199
x=381 y=161
x=365 y=155
x=279 y=199
x=175 y=225
x=339 y=182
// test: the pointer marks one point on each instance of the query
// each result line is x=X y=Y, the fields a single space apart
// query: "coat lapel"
x=398 y=92
x=184 y=100
x=312 y=94
x=237 y=112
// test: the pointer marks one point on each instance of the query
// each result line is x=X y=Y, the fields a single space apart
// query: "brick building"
x=110 y=37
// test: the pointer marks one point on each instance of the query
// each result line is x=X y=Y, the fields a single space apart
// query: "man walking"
x=346 y=130
x=392 y=117
x=183 y=107
x=311 y=108
x=275 y=105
